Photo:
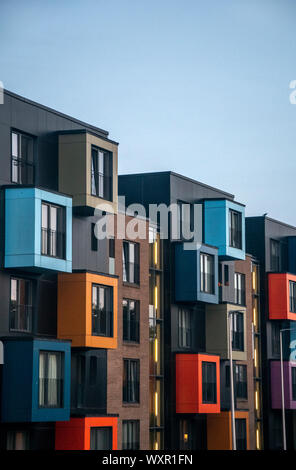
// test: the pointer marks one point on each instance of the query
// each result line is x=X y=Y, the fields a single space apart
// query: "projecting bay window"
x=53 y=231
x=207 y=273
x=102 y=310
x=130 y=260
x=50 y=379
x=131 y=435
x=131 y=320
x=101 y=173
x=292 y=288
x=184 y=328
x=209 y=384
x=101 y=438
x=239 y=289
x=21 y=305
x=131 y=381
x=235 y=229
x=237 y=331
x=22 y=158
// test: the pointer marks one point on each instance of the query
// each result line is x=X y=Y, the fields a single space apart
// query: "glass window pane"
x=14 y=144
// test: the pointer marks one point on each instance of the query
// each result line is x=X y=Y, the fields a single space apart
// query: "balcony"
x=197 y=383
x=196 y=274
x=224 y=227
x=91 y=433
x=36 y=380
x=87 y=309
x=219 y=431
x=88 y=381
x=217 y=321
x=38 y=230
x=282 y=296
x=289 y=384
x=88 y=170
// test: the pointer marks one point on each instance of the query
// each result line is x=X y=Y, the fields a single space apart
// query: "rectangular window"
x=293 y=379
x=101 y=438
x=94 y=240
x=22 y=158
x=101 y=173
x=21 y=305
x=275 y=338
x=292 y=288
x=131 y=314
x=111 y=247
x=130 y=260
x=131 y=381
x=226 y=275
x=274 y=255
x=184 y=328
x=53 y=231
x=237 y=331
x=241 y=434
x=18 y=440
x=241 y=381
x=51 y=379
x=239 y=289
x=102 y=310
x=235 y=229
x=131 y=435
x=209 y=385
x=207 y=273
x=186 y=441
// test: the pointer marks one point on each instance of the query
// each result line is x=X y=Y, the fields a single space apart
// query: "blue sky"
x=197 y=87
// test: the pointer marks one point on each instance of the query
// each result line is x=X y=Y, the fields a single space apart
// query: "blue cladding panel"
x=23 y=229
x=187 y=274
x=216 y=227
x=20 y=391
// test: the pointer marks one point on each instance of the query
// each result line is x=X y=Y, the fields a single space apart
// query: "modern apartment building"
x=273 y=243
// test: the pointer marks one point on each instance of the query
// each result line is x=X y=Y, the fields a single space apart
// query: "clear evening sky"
x=200 y=87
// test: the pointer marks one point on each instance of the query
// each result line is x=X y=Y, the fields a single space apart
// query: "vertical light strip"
x=156 y=404
x=156 y=350
x=255 y=316
x=155 y=252
x=257 y=400
x=257 y=439
x=156 y=445
x=156 y=298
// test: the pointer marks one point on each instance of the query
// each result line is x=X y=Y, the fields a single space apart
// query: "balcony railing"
x=21 y=318
x=53 y=243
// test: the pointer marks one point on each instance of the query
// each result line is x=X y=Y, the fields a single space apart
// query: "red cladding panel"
x=278 y=294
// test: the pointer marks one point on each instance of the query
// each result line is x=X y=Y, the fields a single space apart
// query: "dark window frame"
x=238 y=328
x=292 y=296
x=133 y=431
x=101 y=179
x=131 y=326
x=94 y=240
x=209 y=382
x=11 y=439
x=19 y=309
x=48 y=241
x=184 y=328
x=130 y=269
x=275 y=255
x=102 y=315
x=19 y=161
x=93 y=445
x=207 y=280
x=239 y=294
x=241 y=433
x=235 y=229
x=131 y=386
x=241 y=381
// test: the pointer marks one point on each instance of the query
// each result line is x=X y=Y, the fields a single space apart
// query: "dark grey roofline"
x=97 y=130
x=87 y=131
x=179 y=176
x=271 y=220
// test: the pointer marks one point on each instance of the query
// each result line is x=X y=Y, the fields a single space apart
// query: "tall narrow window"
x=275 y=338
x=21 y=305
x=184 y=328
x=94 y=240
x=241 y=434
x=53 y=231
x=101 y=438
x=292 y=288
x=131 y=378
x=22 y=158
x=238 y=331
x=130 y=255
x=131 y=320
x=207 y=273
x=241 y=381
x=50 y=379
x=293 y=379
x=209 y=385
x=274 y=255
x=239 y=289
x=101 y=173
x=235 y=229
x=131 y=435
x=102 y=310
x=186 y=440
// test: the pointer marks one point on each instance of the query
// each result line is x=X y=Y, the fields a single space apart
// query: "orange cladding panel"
x=278 y=295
